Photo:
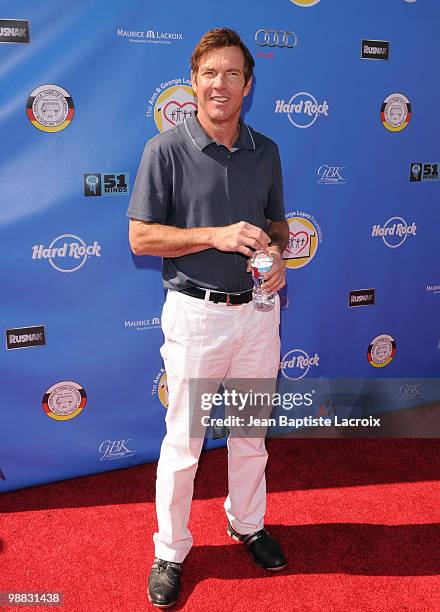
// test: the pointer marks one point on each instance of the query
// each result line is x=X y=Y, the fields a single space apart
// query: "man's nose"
x=219 y=81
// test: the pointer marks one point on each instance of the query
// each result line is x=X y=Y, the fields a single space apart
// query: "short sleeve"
x=275 y=205
x=152 y=193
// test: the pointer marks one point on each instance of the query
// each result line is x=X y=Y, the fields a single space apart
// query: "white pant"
x=208 y=340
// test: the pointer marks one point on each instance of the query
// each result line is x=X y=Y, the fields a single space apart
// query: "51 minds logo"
x=66 y=253
x=305 y=235
x=106 y=183
x=172 y=103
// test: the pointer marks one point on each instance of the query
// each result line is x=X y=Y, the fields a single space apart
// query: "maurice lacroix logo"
x=152 y=37
x=14 y=31
x=143 y=324
x=361 y=297
x=375 y=49
x=106 y=183
x=420 y=171
x=66 y=253
x=331 y=175
x=394 y=232
x=302 y=109
x=24 y=337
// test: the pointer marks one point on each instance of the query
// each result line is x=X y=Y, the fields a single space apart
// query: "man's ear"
x=247 y=87
x=194 y=82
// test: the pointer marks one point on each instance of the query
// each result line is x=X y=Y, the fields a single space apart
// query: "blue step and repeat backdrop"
x=347 y=88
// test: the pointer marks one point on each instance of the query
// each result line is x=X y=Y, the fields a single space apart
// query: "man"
x=207 y=194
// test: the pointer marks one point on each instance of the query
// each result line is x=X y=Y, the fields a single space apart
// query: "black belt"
x=232 y=299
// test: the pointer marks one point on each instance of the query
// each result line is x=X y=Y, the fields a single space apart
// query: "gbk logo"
x=115 y=449
x=276 y=38
x=97 y=184
x=409 y=392
x=331 y=175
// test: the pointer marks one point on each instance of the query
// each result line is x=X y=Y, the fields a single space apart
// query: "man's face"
x=219 y=85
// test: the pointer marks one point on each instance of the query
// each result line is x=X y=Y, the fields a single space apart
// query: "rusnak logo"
x=394 y=232
x=24 y=337
x=423 y=172
x=375 y=49
x=14 y=31
x=302 y=109
x=361 y=297
x=66 y=253
x=108 y=183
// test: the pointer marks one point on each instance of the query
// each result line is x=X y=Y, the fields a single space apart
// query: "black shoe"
x=264 y=549
x=164 y=583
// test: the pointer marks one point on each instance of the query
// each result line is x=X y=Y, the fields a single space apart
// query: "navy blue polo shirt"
x=186 y=179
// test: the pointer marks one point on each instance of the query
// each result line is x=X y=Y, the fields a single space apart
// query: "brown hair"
x=217 y=38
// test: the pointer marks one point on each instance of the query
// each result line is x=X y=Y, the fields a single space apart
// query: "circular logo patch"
x=305 y=2
x=395 y=112
x=381 y=351
x=174 y=106
x=64 y=401
x=304 y=237
x=50 y=108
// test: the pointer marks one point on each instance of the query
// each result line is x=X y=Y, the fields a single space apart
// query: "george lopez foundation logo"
x=66 y=253
x=25 y=337
x=160 y=387
x=302 y=109
x=172 y=103
x=394 y=232
x=14 y=31
x=305 y=235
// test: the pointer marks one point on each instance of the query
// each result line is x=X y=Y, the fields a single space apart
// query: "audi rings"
x=276 y=38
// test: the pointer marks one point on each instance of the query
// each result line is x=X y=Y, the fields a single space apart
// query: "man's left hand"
x=275 y=278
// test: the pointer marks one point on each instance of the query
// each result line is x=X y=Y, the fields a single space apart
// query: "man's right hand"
x=241 y=237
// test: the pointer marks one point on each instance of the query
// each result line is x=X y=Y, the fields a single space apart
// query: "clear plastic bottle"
x=261 y=263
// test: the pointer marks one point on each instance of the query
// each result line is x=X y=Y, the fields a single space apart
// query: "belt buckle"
x=228 y=300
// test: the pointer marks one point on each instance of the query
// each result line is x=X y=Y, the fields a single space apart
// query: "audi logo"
x=276 y=38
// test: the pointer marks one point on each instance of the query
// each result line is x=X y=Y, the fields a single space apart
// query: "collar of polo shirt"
x=201 y=139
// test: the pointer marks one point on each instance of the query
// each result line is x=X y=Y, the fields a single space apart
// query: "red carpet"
x=359 y=521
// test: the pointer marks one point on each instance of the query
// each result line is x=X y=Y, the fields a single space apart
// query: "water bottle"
x=261 y=263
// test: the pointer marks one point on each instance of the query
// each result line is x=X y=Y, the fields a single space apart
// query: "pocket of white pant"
x=170 y=314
